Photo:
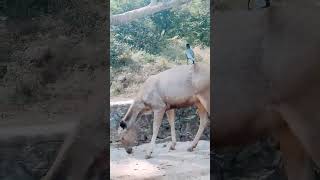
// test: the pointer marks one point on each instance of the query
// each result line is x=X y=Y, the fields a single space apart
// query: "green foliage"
x=195 y=29
x=119 y=53
x=152 y=34
x=141 y=35
x=121 y=6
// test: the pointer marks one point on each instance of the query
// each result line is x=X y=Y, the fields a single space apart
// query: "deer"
x=177 y=87
x=267 y=81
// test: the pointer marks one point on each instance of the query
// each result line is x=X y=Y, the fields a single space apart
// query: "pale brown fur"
x=178 y=87
x=267 y=81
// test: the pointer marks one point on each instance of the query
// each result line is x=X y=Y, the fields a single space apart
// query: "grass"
x=139 y=65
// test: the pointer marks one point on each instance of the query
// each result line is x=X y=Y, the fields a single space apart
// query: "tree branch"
x=152 y=8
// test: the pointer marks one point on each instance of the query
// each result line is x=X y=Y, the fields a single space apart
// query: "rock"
x=145 y=124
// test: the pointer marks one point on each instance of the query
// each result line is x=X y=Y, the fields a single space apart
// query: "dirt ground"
x=165 y=164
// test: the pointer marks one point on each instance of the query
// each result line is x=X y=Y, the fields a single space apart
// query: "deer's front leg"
x=158 y=116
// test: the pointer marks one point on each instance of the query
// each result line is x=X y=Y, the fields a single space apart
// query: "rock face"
x=186 y=124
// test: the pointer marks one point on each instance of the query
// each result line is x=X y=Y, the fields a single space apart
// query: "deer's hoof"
x=148 y=156
x=190 y=149
x=129 y=150
x=173 y=146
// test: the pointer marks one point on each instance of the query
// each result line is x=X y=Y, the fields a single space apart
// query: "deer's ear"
x=123 y=125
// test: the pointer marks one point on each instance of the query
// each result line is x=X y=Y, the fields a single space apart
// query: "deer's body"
x=179 y=87
x=267 y=81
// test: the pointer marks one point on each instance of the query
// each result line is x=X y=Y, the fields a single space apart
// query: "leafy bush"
x=141 y=36
x=154 y=43
x=119 y=53
x=152 y=34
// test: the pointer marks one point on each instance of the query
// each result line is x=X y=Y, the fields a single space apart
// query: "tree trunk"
x=152 y=8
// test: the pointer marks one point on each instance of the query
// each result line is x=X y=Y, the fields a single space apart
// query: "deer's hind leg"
x=204 y=98
x=171 y=118
x=203 y=123
x=304 y=122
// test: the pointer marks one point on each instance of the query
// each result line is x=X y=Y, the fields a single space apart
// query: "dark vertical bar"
x=108 y=86
x=215 y=170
